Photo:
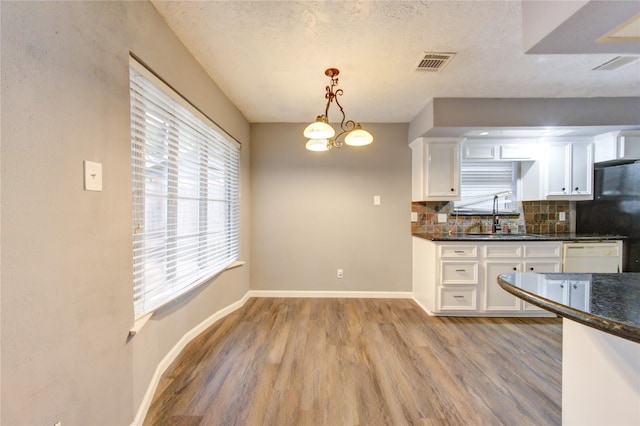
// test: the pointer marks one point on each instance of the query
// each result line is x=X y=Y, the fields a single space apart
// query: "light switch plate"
x=92 y=176
x=562 y=216
x=442 y=217
x=414 y=216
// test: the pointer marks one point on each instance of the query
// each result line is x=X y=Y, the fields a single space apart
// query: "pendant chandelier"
x=322 y=137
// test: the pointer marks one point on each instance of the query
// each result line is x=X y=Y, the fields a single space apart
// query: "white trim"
x=175 y=351
x=334 y=294
x=140 y=322
x=424 y=308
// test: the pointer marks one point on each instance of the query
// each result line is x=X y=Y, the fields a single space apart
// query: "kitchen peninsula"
x=601 y=341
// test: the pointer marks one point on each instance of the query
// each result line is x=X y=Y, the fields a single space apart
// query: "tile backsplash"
x=537 y=217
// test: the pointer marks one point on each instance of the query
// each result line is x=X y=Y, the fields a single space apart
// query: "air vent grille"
x=431 y=61
x=616 y=63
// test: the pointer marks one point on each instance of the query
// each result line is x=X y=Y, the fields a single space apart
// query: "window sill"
x=140 y=322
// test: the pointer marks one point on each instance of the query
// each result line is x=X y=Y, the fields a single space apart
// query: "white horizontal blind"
x=480 y=181
x=185 y=183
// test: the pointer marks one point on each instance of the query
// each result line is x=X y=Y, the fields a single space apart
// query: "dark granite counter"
x=607 y=302
x=518 y=237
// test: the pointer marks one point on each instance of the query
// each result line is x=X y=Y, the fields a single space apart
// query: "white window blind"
x=185 y=183
x=481 y=181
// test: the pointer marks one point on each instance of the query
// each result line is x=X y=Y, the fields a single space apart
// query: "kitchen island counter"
x=607 y=302
x=600 y=341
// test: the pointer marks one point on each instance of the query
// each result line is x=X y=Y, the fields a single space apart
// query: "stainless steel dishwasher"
x=600 y=256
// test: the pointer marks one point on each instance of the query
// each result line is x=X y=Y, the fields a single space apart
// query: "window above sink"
x=481 y=181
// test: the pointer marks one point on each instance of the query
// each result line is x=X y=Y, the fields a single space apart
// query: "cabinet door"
x=479 y=152
x=443 y=171
x=558 y=159
x=579 y=296
x=495 y=298
x=557 y=291
x=539 y=266
x=581 y=168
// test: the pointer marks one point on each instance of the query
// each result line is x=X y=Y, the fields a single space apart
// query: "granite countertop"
x=607 y=302
x=518 y=237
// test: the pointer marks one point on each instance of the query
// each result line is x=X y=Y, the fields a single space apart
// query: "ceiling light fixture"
x=322 y=137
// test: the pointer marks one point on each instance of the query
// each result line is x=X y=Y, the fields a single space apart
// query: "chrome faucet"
x=495 y=222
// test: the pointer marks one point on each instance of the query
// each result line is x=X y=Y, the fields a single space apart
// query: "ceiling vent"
x=434 y=62
x=616 y=63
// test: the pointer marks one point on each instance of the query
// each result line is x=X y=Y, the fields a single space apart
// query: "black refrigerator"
x=615 y=209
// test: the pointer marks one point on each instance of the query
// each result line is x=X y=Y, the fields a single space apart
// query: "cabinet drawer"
x=454 y=299
x=458 y=273
x=502 y=250
x=542 y=250
x=457 y=251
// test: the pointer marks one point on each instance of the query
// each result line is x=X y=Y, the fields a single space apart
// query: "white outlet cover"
x=376 y=200
x=442 y=217
x=414 y=216
x=92 y=176
x=562 y=216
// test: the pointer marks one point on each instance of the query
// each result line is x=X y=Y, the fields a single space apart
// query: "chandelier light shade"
x=318 y=145
x=322 y=136
x=319 y=129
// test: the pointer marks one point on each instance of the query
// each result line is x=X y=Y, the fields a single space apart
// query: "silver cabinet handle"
x=458 y=251
x=461 y=270
x=458 y=297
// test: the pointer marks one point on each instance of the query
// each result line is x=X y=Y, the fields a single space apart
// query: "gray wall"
x=313 y=213
x=66 y=253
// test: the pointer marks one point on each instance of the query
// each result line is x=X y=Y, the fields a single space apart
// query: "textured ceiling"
x=269 y=57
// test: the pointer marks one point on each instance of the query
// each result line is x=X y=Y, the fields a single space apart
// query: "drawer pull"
x=458 y=297
x=461 y=270
x=531 y=269
x=515 y=268
x=459 y=251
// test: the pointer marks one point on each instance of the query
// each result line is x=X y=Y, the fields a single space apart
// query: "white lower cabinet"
x=460 y=278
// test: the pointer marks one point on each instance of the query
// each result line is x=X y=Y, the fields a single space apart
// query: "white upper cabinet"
x=617 y=146
x=568 y=171
x=511 y=150
x=435 y=169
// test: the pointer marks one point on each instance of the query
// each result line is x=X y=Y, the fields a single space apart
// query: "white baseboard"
x=334 y=294
x=424 y=308
x=175 y=351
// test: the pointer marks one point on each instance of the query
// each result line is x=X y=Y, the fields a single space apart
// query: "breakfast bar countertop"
x=607 y=302
x=517 y=237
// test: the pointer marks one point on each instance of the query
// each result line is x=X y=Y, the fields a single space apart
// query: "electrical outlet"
x=340 y=273
x=376 y=200
x=442 y=217
x=414 y=216
x=562 y=216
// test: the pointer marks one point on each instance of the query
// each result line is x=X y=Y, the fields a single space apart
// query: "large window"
x=480 y=182
x=185 y=183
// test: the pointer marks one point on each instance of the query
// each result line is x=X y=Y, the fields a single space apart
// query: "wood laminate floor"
x=363 y=362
